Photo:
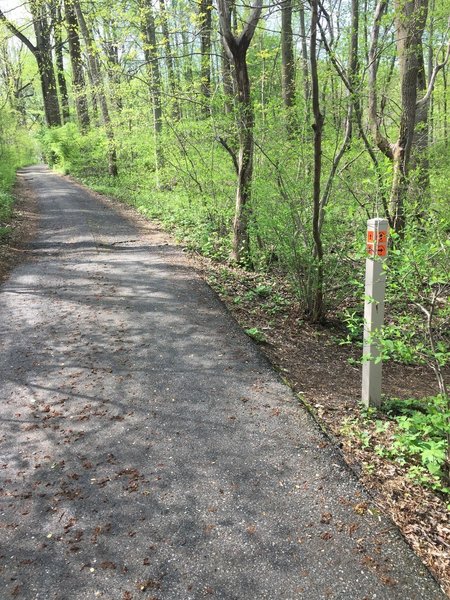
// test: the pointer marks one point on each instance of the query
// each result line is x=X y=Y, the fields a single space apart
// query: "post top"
x=377 y=223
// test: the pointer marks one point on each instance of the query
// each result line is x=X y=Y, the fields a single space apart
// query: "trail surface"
x=148 y=450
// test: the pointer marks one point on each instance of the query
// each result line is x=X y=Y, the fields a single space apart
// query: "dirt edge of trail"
x=23 y=225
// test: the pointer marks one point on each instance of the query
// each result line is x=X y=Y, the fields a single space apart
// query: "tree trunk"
x=227 y=75
x=317 y=309
x=97 y=81
x=112 y=56
x=410 y=18
x=305 y=62
x=444 y=80
x=419 y=163
x=353 y=63
x=246 y=119
x=62 y=85
x=79 y=84
x=173 y=86
x=288 y=65
x=236 y=48
x=151 y=58
x=42 y=52
x=205 y=10
x=44 y=60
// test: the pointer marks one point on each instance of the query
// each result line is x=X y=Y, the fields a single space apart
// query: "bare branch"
x=230 y=151
x=19 y=35
x=243 y=41
x=436 y=69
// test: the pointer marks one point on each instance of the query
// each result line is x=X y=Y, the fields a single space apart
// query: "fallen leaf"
x=149 y=584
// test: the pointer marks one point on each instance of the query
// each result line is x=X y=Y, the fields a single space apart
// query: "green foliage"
x=354 y=324
x=256 y=334
x=412 y=433
x=68 y=151
x=16 y=150
x=418 y=294
x=421 y=440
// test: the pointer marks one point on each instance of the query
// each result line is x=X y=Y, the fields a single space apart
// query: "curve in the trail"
x=149 y=450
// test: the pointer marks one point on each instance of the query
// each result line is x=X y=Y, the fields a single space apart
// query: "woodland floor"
x=318 y=370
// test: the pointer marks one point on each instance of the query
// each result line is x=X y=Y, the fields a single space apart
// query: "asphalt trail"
x=148 y=450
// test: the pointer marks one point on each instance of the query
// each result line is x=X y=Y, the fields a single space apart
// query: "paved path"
x=147 y=448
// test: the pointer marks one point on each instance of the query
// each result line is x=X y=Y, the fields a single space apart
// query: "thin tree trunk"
x=381 y=141
x=236 y=48
x=79 y=84
x=317 y=309
x=151 y=58
x=8 y=76
x=444 y=80
x=205 y=9
x=430 y=70
x=288 y=65
x=94 y=68
x=173 y=86
x=112 y=56
x=187 y=63
x=62 y=85
x=227 y=75
x=305 y=62
x=353 y=63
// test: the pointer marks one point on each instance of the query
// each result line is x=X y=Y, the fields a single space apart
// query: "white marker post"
x=377 y=244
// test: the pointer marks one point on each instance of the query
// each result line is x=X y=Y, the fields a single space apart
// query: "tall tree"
x=410 y=20
x=227 y=75
x=148 y=31
x=111 y=46
x=76 y=61
x=42 y=51
x=305 y=60
x=96 y=77
x=171 y=75
x=353 y=63
x=287 y=63
x=317 y=309
x=205 y=20
x=236 y=48
x=59 y=56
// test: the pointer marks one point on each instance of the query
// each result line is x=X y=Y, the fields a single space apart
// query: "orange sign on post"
x=377 y=238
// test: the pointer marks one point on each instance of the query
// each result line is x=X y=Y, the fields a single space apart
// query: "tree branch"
x=437 y=68
x=231 y=152
x=243 y=41
x=249 y=29
x=18 y=33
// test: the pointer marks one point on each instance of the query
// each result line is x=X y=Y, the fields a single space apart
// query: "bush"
x=17 y=149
